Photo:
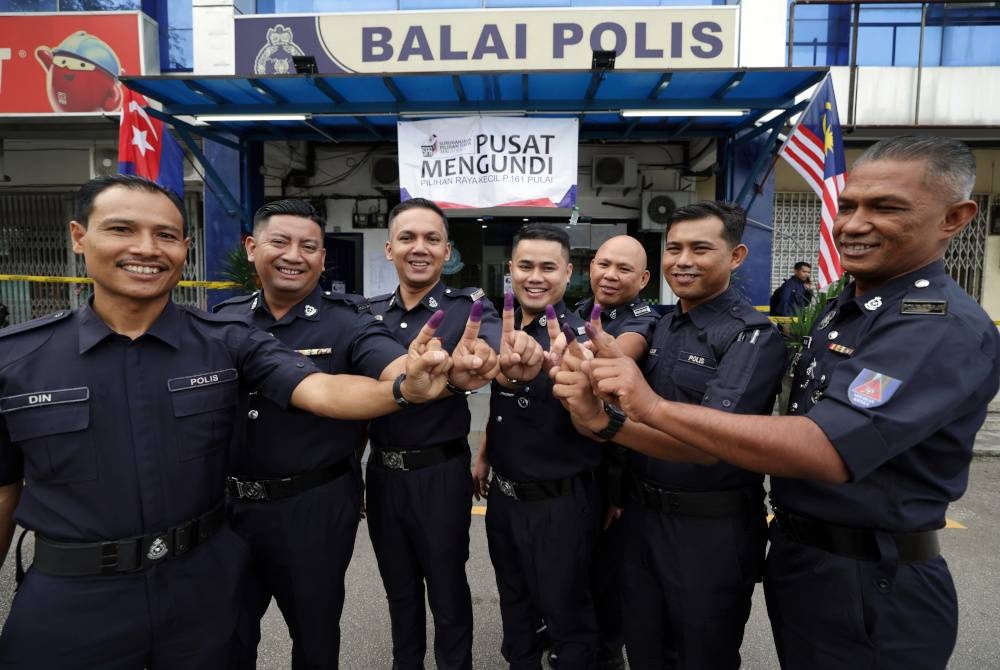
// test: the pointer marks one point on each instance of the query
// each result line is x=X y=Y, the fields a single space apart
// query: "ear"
x=250 y=245
x=77 y=232
x=644 y=279
x=388 y=251
x=447 y=251
x=957 y=217
x=569 y=273
x=739 y=254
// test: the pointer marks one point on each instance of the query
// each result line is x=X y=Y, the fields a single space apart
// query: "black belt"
x=77 y=559
x=856 y=543
x=415 y=459
x=533 y=491
x=266 y=490
x=691 y=503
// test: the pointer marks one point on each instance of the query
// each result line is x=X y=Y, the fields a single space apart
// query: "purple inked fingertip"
x=595 y=313
x=568 y=331
x=508 y=301
x=476 y=313
x=436 y=319
x=550 y=312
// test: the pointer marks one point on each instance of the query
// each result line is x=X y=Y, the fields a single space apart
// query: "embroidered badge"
x=639 y=311
x=477 y=294
x=827 y=319
x=871 y=389
x=542 y=321
x=701 y=360
x=310 y=310
x=613 y=314
x=432 y=303
x=874 y=303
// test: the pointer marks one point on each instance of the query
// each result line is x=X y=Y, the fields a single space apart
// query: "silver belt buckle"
x=393 y=460
x=251 y=490
x=506 y=486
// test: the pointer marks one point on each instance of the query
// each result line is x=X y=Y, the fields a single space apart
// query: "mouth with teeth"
x=138 y=269
x=289 y=272
x=684 y=278
x=856 y=248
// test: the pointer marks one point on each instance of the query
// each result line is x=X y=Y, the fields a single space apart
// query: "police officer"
x=118 y=416
x=886 y=401
x=419 y=496
x=298 y=506
x=695 y=530
x=543 y=515
x=618 y=273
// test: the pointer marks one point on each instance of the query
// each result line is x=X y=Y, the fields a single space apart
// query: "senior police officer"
x=543 y=515
x=419 y=496
x=298 y=507
x=118 y=416
x=882 y=426
x=695 y=528
x=618 y=273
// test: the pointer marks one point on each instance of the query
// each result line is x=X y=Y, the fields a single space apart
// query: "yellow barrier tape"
x=88 y=280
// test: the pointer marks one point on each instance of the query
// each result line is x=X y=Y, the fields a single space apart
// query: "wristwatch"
x=397 y=391
x=616 y=421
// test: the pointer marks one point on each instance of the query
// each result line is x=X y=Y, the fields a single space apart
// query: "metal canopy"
x=365 y=108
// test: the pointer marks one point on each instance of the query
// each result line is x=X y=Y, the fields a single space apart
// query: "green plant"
x=802 y=321
x=238 y=269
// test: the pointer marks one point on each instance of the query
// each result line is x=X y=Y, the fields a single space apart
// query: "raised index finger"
x=508 y=312
x=426 y=333
x=475 y=321
x=552 y=323
x=604 y=343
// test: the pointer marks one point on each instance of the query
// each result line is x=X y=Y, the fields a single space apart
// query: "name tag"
x=202 y=379
x=13 y=403
x=701 y=360
x=322 y=351
x=936 y=307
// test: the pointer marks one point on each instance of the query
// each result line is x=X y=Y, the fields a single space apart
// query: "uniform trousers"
x=419 y=526
x=828 y=611
x=688 y=584
x=541 y=553
x=300 y=549
x=606 y=587
x=179 y=614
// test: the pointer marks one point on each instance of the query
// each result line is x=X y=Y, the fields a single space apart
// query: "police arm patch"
x=871 y=389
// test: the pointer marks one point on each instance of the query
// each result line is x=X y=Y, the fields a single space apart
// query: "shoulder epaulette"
x=40 y=322
x=381 y=298
x=358 y=302
x=214 y=317
x=474 y=293
x=238 y=300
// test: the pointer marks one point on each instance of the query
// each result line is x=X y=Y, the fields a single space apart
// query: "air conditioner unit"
x=657 y=206
x=614 y=172
x=385 y=172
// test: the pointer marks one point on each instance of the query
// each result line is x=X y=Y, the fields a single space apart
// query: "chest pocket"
x=204 y=407
x=693 y=371
x=51 y=428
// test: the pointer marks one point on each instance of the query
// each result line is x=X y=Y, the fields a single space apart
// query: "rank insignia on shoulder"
x=871 y=389
x=477 y=294
x=322 y=351
x=840 y=349
x=643 y=309
x=935 y=307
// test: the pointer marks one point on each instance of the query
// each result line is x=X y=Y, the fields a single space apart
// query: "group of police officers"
x=180 y=469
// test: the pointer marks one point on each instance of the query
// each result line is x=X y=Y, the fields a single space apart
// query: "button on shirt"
x=635 y=317
x=530 y=436
x=899 y=379
x=338 y=333
x=449 y=418
x=118 y=437
x=722 y=354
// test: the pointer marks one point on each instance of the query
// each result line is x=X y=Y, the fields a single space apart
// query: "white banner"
x=489 y=161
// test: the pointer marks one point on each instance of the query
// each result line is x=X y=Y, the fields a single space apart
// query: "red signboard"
x=67 y=62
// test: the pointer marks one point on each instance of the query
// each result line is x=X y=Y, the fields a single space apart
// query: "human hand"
x=427 y=364
x=474 y=363
x=616 y=378
x=520 y=354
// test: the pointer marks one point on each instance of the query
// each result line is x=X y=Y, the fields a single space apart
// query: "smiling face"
x=893 y=219
x=418 y=246
x=134 y=246
x=539 y=272
x=698 y=260
x=618 y=271
x=288 y=253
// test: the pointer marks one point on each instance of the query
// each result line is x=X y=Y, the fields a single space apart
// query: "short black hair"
x=543 y=231
x=949 y=162
x=733 y=217
x=88 y=193
x=803 y=264
x=418 y=203
x=291 y=207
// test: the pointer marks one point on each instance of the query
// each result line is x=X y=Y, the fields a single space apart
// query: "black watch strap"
x=397 y=391
x=457 y=390
x=616 y=421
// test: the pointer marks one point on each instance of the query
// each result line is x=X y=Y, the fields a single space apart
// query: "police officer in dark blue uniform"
x=617 y=274
x=419 y=495
x=118 y=417
x=695 y=529
x=887 y=397
x=543 y=515
x=298 y=506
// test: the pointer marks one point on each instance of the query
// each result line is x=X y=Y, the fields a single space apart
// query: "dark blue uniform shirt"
x=339 y=334
x=790 y=297
x=899 y=379
x=118 y=437
x=722 y=354
x=449 y=418
x=635 y=317
x=530 y=436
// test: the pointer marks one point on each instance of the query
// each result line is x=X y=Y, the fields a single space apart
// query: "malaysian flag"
x=145 y=148
x=816 y=150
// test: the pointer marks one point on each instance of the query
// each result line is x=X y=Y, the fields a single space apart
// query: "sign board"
x=650 y=38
